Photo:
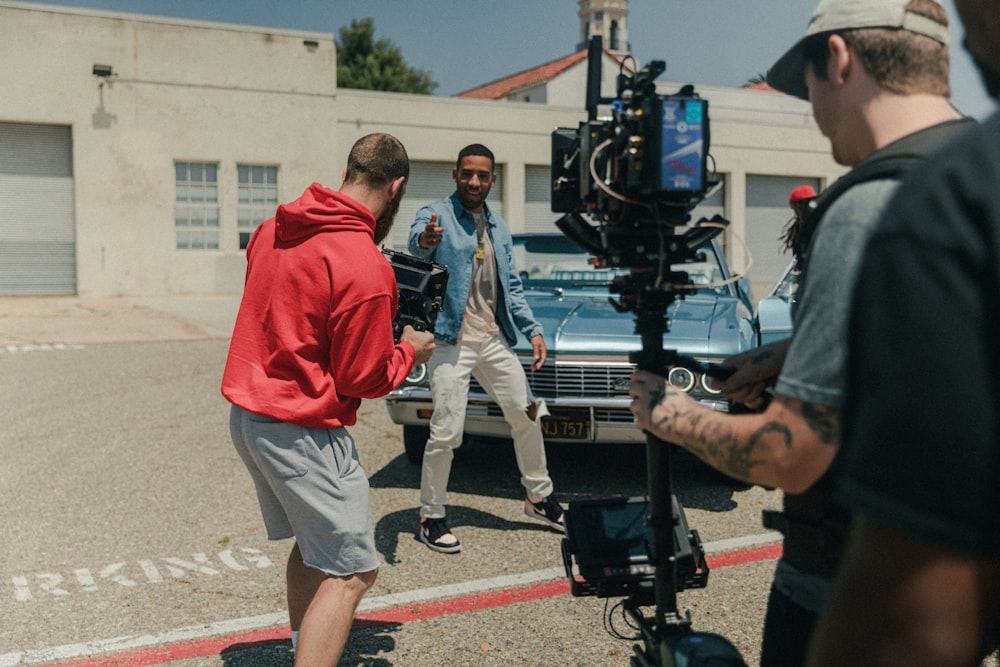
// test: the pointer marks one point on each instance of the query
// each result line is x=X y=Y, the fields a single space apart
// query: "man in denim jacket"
x=484 y=307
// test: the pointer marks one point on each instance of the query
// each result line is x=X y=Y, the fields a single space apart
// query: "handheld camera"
x=421 y=285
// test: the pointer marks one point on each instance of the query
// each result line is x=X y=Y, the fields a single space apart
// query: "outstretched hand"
x=432 y=234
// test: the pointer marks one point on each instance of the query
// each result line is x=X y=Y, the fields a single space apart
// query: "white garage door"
x=37 y=241
x=538 y=215
x=767 y=215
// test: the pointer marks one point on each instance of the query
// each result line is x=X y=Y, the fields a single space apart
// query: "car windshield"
x=551 y=261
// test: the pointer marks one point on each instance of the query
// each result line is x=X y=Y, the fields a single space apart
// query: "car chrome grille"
x=613 y=416
x=600 y=415
x=577 y=380
x=598 y=381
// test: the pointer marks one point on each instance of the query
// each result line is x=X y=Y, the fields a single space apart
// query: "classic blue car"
x=775 y=310
x=585 y=380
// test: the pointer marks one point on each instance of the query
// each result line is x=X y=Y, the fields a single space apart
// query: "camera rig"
x=421 y=285
x=611 y=539
x=637 y=175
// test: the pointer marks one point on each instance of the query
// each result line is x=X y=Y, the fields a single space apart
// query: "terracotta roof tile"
x=540 y=74
x=761 y=85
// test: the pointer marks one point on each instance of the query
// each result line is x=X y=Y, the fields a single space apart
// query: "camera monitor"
x=611 y=540
x=683 y=122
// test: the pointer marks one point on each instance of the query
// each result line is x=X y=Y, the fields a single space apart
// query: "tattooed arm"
x=788 y=446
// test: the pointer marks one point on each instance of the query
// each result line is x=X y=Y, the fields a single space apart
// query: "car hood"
x=588 y=324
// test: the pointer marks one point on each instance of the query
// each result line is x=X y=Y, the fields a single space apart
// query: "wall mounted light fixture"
x=101 y=119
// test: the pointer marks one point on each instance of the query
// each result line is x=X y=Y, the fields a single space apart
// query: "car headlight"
x=681 y=378
x=417 y=374
x=710 y=385
x=687 y=380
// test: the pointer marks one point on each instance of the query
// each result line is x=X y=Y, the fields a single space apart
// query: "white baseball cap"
x=787 y=75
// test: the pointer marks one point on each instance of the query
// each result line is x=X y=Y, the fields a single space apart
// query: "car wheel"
x=414 y=440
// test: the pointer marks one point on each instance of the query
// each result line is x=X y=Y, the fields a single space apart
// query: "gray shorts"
x=310 y=486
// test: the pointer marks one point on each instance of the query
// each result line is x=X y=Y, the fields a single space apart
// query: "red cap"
x=802 y=192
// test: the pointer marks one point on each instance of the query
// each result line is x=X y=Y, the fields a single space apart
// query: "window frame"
x=197 y=219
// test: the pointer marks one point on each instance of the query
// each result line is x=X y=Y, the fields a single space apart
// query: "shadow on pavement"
x=270 y=653
x=367 y=642
x=579 y=471
x=403 y=525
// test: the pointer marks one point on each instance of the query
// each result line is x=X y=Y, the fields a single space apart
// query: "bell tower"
x=607 y=18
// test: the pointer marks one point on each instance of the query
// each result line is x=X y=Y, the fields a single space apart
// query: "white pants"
x=497 y=369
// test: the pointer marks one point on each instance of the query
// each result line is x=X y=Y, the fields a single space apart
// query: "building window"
x=258 y=198
x=196 y=208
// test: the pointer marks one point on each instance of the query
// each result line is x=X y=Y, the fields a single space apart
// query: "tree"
x=369 y=64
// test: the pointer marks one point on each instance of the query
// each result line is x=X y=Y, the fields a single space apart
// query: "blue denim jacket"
x=458 y=246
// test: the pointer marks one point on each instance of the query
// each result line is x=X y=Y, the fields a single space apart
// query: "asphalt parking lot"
x=132 y=534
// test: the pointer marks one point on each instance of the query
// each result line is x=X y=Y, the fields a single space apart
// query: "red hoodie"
x=314 y=331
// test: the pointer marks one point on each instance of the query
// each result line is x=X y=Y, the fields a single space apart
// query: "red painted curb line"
x=205 y=647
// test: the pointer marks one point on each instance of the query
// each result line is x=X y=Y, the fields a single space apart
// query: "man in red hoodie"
x=312 y=338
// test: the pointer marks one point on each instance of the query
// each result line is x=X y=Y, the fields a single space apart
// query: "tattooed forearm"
x=716 y=442
x=781 y=447
x=773 y=432
x=824 y=421
x=656 y=396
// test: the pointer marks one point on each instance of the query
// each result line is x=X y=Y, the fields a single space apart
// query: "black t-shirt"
x=922 y=412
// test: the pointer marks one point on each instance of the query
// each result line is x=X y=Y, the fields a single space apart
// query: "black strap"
x=889 y=162
x=890 y=166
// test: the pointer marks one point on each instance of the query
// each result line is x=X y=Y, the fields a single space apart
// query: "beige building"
x=137 y=153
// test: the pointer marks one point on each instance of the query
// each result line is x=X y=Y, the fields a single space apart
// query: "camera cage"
x=646 y=163
x=636 y=175
x=421 y=286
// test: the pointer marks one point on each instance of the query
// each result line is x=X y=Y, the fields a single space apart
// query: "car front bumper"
x=605 y=420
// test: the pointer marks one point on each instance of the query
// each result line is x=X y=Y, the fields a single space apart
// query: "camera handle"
x=651 y=324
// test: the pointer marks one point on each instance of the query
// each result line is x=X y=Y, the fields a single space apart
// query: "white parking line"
x=242 y=625
x=45 y=347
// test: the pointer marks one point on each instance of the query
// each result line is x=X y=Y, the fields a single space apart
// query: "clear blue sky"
x=464 y=44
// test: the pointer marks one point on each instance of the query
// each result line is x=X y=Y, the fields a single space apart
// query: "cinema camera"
x=421 y=286
x=637 y=175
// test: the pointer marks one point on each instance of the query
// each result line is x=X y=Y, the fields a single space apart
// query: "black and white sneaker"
x=547 y=511
x=436 y=534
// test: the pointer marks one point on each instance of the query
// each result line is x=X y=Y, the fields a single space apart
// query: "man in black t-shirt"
x=920 y=582
x=875 y=108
